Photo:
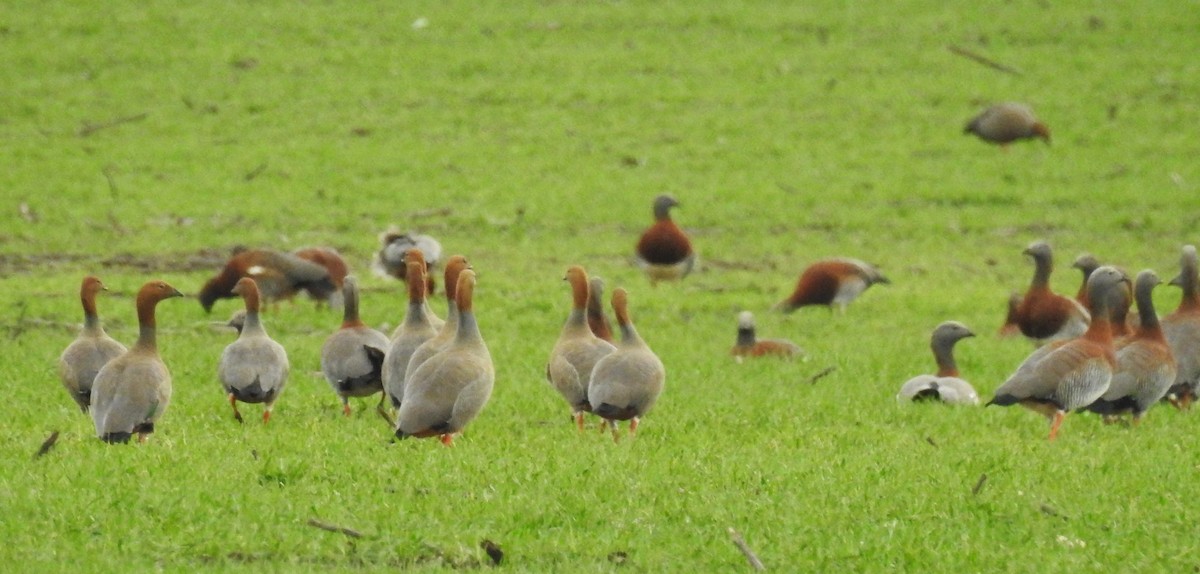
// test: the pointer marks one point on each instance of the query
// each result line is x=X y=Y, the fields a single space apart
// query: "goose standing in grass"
x=454 y=267
x=132 y=391
x=946 y=385
x=577 y=350
x=1182 y=330
x=91 y=349
x=749 y=345
x=830 y=282
x=279 y=276
x=415 y=330
x=597 y=321
x=1007 y=122
x=627 y=382
x=1042 y=315
x=1066 y=375
x=664 y=251
x=450 y=389
x=254 y=368
x=352 y=357
x=1145 y=366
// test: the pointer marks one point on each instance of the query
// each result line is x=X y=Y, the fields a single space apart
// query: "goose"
x=627 y=382
x=254 y=368
x=946 y=385
x=132 y=391
x=91 y=349
x=1066 y=375
x=577 y=350
x=450 y=389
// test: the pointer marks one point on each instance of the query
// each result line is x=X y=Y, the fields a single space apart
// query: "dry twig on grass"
x=47 y=444
x=984 y=60
x=979 y=484
x=825 y=372
x=334 y=528
x=745 y=548
x=89 y=128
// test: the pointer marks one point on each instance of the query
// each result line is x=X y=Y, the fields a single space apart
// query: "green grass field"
x=144 y=140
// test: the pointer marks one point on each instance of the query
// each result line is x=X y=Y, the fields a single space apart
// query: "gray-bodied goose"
x=132 y=391
x=627 y=382
x=664 y=251
x=254 y=368
x=1182 y=330
x=415 y=330
x=1066 y=375
x=1145 y=365
x=577 y=350
x=1007 y=122
x=91 y=349
x=1042 y=315
x=454 y=266
x=352 y=357
x=450 y=389
x=946 y=385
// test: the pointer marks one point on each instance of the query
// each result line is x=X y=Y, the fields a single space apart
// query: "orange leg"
x=1056 y=422
x=267 y=415
x=633 y=424
x=578 y=420
x=233 y=403
x=616 y=431
x=447 y=439
x=345 y=406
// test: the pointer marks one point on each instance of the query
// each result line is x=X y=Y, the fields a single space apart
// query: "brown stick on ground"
x=984 y=60
x=813 y=379
x=750 y=556
x=979 y=484
x=89 y=128
x=47 y=444
x=334 y=528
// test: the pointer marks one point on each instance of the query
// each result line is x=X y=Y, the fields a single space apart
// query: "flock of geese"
x=436 y=375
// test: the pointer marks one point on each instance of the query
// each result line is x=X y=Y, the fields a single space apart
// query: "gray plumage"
x=415 y=330
x=1007 y=122
x=575 y=354
x=627 y=382
x=346 y=361
x=945 y=386
x=132 y=391
x=1182 y=330
x=1066 y=375
x=254 y=368
x=450 y=389
x=1145 y=365
x=91 y=349
x=434 y=345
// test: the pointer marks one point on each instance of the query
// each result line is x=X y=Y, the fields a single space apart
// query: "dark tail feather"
x=116 y=437
x=926 y=395
x=375 y=356
x=613 y=412
x=1002 y=401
